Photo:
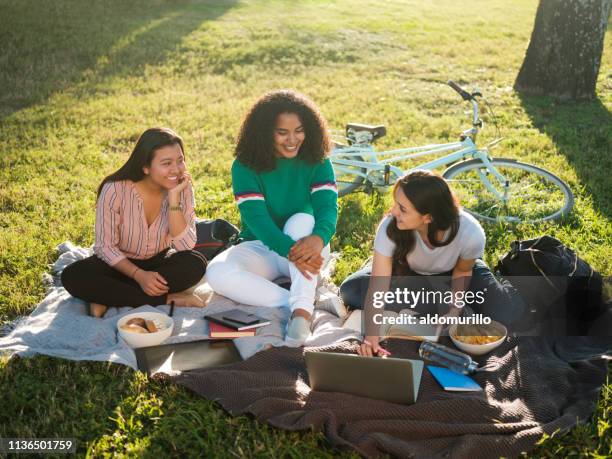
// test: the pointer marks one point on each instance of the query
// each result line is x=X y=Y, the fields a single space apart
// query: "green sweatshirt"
x=266 y=200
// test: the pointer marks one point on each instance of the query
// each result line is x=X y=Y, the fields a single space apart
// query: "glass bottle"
x=445 y=356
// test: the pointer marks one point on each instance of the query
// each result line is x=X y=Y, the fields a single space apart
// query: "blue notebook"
x=453 y=381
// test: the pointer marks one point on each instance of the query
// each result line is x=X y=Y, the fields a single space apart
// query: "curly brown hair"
x=429 y=194
x=255 y=145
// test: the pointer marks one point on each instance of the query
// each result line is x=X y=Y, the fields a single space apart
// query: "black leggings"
x=94 y=281
x=501 y=303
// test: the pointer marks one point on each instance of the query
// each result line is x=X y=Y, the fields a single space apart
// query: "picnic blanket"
x=61 y=327
x=531 y=386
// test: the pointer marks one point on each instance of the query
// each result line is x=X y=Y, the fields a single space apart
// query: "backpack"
x=554 y=281
x=214 y=236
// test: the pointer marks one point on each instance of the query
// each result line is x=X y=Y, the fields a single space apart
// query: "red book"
x=218 y=331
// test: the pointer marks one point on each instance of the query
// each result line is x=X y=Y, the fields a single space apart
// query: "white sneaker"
x=298 y=330
x=327 y=299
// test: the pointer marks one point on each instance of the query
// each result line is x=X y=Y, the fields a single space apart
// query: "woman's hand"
x=370 y=347
x=306 y=248
x=175 y=193
x=311 y=267
x=151 y=282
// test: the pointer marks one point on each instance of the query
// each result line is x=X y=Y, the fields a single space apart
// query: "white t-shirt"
x=469 y=243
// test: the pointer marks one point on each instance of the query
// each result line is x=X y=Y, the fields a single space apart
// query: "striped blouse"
x=122 y=230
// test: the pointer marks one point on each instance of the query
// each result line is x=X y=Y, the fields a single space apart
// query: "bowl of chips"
x=478 y=339
x=142 y=329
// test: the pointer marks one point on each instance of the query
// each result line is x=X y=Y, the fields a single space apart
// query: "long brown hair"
x=151 y=140
x=255 y=146
x=429 y=194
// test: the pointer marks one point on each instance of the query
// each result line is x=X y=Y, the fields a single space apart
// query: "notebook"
x=391 y=379
x=416 y=331
x=237 y=319
x=453 y=381
x=218 y=331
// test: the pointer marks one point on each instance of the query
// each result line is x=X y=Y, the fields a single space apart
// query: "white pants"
x=244 y=272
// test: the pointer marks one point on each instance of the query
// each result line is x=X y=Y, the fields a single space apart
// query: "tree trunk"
x=565 y=49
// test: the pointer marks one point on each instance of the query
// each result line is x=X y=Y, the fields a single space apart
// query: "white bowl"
x=478 y=349
x=146 y=339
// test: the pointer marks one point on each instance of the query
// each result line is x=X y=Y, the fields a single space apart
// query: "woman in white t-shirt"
x=427 y=235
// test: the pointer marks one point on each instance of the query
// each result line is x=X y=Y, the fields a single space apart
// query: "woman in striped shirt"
x=143 y=209
x=285 y=190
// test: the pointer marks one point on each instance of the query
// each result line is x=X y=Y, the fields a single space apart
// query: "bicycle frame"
x=466 y=149
x=358 y=165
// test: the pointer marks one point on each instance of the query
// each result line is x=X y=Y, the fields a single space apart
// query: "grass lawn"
x=79 y=81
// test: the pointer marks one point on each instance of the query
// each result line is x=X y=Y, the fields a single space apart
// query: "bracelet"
x=134 y=273
x=177 y=207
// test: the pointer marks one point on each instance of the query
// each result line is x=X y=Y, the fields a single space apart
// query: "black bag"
x=214 y=236
x=553 y=280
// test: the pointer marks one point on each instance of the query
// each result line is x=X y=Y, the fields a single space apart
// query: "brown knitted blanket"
x=531 y=386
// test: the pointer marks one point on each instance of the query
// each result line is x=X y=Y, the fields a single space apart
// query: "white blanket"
x=61 y=327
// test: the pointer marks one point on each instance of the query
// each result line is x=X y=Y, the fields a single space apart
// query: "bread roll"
x=151 y=326
x=134 y=328
x=137 y=321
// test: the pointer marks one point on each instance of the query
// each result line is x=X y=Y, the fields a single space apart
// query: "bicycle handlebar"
x=476 y=122
x=462 y=92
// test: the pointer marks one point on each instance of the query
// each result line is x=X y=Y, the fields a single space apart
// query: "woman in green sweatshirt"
x=286 y=193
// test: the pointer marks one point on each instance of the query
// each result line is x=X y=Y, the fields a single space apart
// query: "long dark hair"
x=255 y=146
x=429 y=194
x=151 y=140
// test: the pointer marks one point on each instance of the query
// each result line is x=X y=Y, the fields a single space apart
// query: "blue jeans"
x=501 y=300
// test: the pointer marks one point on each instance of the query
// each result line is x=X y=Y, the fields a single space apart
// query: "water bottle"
x=450 y=358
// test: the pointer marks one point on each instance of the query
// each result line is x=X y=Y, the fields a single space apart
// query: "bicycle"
x=491 y=189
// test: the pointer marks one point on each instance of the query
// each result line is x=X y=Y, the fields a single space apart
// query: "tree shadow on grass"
x=582 y=132
x=109 y=409
x=48 y=397
x=48 y=47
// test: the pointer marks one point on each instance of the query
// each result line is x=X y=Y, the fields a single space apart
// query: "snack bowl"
x=135 y=339
x=495 y=328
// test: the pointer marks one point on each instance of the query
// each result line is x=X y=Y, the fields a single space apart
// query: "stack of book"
x=234 y=324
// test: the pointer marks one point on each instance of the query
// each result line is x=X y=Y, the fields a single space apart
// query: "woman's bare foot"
x=97 y=310
x=186 y=300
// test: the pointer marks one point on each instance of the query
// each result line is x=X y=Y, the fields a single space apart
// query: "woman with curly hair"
x=286 y=193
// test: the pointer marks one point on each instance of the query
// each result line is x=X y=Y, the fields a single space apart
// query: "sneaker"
x=329 y=300
x=298 y=330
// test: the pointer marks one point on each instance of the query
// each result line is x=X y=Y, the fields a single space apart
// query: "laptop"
x=186 y=356
x=390 y=379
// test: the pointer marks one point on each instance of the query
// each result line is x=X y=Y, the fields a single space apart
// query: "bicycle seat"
x=376 y=131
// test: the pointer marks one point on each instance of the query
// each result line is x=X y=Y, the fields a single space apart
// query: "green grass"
x=79 y=81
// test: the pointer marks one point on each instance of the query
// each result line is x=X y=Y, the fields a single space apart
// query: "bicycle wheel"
x=347 y=178
x=534 y=194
